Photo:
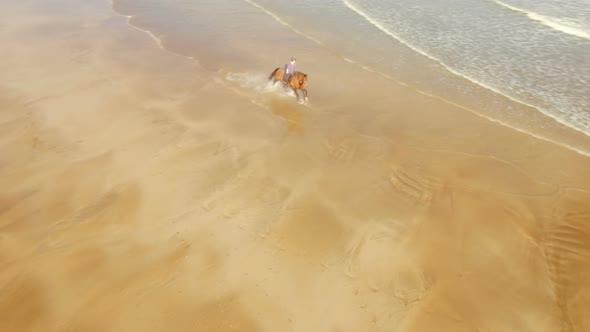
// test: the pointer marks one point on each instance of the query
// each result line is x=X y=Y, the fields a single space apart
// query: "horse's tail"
x=273 y=73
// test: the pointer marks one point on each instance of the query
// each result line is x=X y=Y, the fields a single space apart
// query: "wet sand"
x=142 y=191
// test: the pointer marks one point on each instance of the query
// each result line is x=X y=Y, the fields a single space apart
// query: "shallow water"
x=491 y=59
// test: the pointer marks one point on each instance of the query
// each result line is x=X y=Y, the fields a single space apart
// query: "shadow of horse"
x=291 y=114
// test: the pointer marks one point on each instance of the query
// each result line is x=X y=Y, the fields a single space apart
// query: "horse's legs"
x=305 y=94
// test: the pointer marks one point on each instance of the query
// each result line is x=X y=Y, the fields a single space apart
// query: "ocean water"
x=536 y=52
x=523 y=63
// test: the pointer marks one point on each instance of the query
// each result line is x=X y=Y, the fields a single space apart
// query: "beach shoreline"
x=507 y=111
x=146 y=190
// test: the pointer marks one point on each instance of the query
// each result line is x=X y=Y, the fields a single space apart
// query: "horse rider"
x=290 y=69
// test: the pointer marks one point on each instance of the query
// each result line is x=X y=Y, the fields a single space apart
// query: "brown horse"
x=297 y=82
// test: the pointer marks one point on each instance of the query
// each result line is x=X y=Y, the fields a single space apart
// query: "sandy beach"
x=148 y=184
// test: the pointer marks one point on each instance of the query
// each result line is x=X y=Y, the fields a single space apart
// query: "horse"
x=297 y=82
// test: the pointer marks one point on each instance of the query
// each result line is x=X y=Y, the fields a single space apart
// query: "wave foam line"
x=152 y=35
x=157 y=39
x=554 y=23
x=283 y=22
x=418 y=50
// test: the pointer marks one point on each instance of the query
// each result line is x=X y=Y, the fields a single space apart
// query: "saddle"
x=286 y=75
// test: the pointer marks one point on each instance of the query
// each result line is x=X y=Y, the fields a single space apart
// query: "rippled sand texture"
x=141 y=192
